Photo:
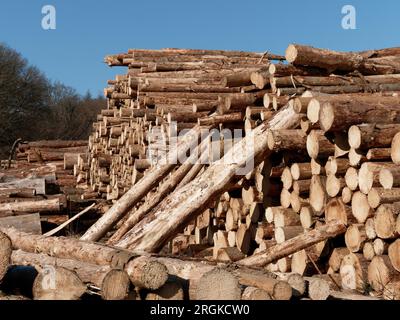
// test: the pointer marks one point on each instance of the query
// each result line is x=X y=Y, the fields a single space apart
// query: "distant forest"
x=34 y=108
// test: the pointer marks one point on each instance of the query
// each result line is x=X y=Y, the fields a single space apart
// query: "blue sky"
x=87 y=30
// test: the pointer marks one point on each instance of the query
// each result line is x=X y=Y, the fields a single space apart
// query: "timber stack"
x=305 y=205
x=38 y=184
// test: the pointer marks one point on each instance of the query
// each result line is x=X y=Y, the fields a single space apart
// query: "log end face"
x=5 y=254
x=395 y=149
x=147 y=273
x=326 y=116
x=291 y=53
x=115 y=285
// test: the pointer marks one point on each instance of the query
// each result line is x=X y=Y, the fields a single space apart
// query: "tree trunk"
x=305 y=240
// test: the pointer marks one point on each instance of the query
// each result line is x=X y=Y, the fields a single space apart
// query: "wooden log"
x=380 y=247
x=295 y=244
x=360 y=207
x=318 y=145
x=113 y=283
x=334 y=185
x=57 y=283
x=336 y=209
x=389 y=177
x=353 y=272
x=166 y=187
x=286 y=140
x=355 y=237
x=318 y=196
x=347 y=194
x=368 y=251
x=370 y=228
x=379 y=196
x=252 y=293
x=368 y=175
x=395 y=149
x=340 y=112
x=366 y=136
x=301 y=171
x=381 y=272
x=336 y=257
x=5 y=254
x=351 y=178
x=11 y=208
x=385 y=220
x=322 y=58
x=318 y=288
x=394 y=254
x=172 y=290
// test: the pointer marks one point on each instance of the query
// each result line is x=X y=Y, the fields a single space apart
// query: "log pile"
x=304 y=205
x=308 y=172
x=38 y=184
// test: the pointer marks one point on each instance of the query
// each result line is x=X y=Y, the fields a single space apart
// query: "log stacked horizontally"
x=303 y=205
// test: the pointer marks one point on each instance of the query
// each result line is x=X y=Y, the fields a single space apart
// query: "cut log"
x=360 y=207
x=57 y=283
x=385 y=220
x=368 y=251
x=395 y=149
x=318 y=145
x=351 y=179
x=295 y=244
x=381 y=272
x=322 y=58
x=113 y=283
x=318 y=289
x=11 y=208
x=353 y=272
x=366 y=136
x=337 y=210
x=355 y=237
x=389 y=178
x=340 y=112
x=335 y=260
x=318 y=196
x=5 y=254
x=301 y=171
x=378 y=196
x=394 y=254
x=252 y=293
x=169 y=291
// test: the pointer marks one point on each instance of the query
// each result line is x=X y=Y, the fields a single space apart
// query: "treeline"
x=34 y=108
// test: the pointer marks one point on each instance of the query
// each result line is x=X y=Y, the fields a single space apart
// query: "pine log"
x=295 y=244
x=5 y=254
x=381 y=272
x=360 y=207
x=366 y=136
x=394 y=254
x=340 y=112
x=57 y=283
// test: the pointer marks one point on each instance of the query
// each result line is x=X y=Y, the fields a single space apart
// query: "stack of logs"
x=327 y=166
x=38 y=183
x=317 y=214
